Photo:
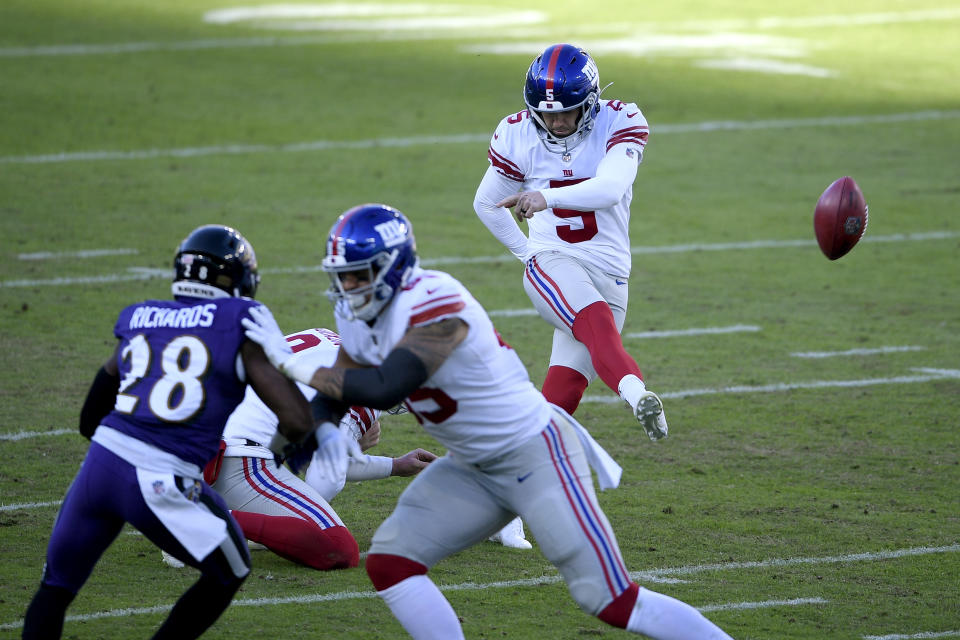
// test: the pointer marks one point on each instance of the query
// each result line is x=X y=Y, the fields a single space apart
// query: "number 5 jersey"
x=601 y=236
x=480 y=402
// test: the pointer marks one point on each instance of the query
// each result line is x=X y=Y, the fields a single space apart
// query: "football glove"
x=264 y=330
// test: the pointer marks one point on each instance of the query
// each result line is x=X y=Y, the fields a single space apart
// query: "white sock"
x=630 y=388
x=664 y=618
x=422 y=610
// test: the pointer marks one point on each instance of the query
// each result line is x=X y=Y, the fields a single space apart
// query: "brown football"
x=840 y=218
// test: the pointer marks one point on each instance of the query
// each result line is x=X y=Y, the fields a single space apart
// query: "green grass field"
x=796 y=497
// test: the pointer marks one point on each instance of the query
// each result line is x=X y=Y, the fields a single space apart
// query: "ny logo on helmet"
x=590 y=70
x=393 y=232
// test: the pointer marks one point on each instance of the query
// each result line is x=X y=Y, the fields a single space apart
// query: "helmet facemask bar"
x=589 y=109
x=564 y=78
x=366 y=301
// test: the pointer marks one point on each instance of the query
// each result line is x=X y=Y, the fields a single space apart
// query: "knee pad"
x=387 y=570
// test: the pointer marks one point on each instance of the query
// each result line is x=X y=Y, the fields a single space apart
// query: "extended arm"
x=414 y=359
x=615 y=174
x=421 y=352
x=494 y=188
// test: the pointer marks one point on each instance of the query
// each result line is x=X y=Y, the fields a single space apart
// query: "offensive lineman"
x=274 y=507
x=573 y=158
x=420 y=336
x=154 y=414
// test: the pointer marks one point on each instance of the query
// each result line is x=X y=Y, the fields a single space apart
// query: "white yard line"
x=20 y=435
x=463 y=138
x=86 y=253
x=737 y=328
x=511 y=313
x=926 y=375
x=30 y=505
x=472 y=586
x=731 y=606
x=530 y=30
x=916 y=636
x=855 y=352
x=144 y=273
x=929 y=375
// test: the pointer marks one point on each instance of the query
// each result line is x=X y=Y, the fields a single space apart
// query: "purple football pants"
x=104 y=495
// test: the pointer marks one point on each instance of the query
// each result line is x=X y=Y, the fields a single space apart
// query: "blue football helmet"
x=213 y=261
x=375 y=243
x=563 y=78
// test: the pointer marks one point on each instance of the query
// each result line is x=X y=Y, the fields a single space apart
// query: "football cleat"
x=512 y=535
x=649 y=411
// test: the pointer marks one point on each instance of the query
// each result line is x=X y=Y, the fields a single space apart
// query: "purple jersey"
x=179 y=373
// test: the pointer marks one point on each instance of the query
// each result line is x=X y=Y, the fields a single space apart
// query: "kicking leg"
x=595 y=327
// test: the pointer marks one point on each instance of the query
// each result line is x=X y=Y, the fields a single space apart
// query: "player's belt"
x=245 y=447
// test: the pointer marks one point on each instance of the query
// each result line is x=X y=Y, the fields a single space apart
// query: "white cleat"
x=171 y=561
x=649 y=411
x=646 y=406
x=256 y=546
x=512 y=535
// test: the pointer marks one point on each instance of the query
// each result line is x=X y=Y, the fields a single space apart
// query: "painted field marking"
x=30 y=505
x=87 y=253
x=20 y=435
x=855 y=352
x=511 y=313
x=463 y=138
x=145 y=273
x=544 y=580
x=731 y=606
x=736 y=328
x=530 y=18
x=916 y=636
x=930 y=375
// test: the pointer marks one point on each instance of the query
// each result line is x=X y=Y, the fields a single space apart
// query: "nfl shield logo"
x=158 y=487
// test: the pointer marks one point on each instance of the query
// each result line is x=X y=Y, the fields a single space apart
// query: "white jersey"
x=599 y=237
x=253 y=421
x=480 y=403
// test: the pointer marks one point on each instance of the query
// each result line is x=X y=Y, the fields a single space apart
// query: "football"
x=840 y=218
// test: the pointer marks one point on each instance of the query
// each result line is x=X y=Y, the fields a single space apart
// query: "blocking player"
x=572 y=157
x=274 y=507
x=154 y=414
x=419 y=336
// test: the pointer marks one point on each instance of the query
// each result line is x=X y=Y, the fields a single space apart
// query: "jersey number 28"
x=178 y=394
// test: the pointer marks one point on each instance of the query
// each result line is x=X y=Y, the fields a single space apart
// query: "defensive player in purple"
x=566 y=164
x=418 y=335
x=154 y=413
